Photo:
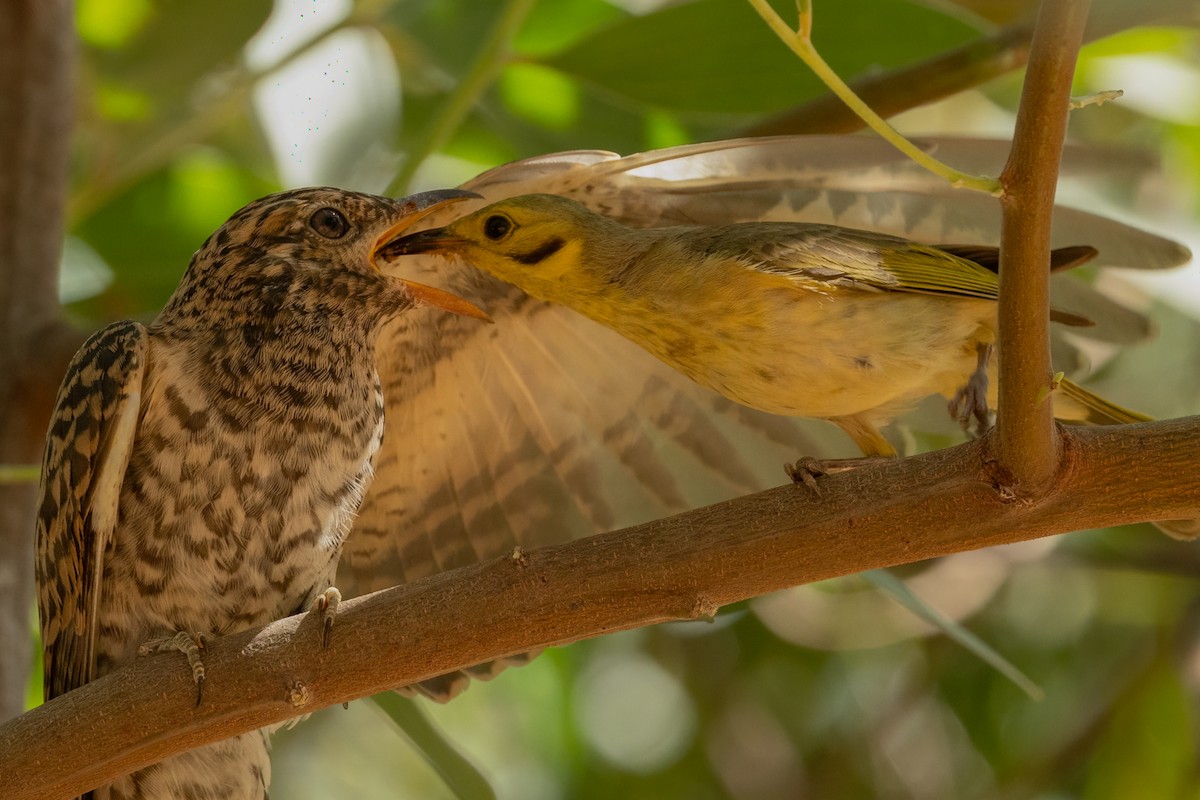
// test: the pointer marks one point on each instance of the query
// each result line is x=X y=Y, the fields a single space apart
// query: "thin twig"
x=800 y=43
x=889 y=93
x=1026 y=444
x=492 y=55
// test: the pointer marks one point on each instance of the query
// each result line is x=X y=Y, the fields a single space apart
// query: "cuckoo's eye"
x=329 y=222
x=496 y=227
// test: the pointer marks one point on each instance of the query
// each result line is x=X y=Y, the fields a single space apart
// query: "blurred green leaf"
x=557 y=24
x=173 y=70
x=147 y=234
x=540 y=95
x=717 y=56
x=1148 y=751
x=34 y=690
x=111 y=23
x=182 y=42
x=460 y=775
x=1157 y=41
x=899 y=591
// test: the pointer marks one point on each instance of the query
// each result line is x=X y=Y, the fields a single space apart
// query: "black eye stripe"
x=549 y=248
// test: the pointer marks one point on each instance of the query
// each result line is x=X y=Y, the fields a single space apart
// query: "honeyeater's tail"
x=1074 y=403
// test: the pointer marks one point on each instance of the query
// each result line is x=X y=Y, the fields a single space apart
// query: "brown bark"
x=684 y=566
x=1026 y=445
x=36 y=58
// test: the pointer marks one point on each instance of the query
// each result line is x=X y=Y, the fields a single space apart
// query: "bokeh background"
x=187 y=110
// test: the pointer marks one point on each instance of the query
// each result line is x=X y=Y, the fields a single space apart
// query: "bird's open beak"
x=415 y=208
x=434 y=240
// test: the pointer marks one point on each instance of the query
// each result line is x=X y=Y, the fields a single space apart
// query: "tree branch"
x=1026 y=444
x=36 y=60
x=686 y=566
x=890 y=93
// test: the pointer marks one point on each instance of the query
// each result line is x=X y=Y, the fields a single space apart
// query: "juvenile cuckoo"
x=202 y=472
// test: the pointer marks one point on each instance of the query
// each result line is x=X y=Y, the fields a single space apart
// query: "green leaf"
x=34 y=689
x=899 y=591
x=181 y=42
x=147 y=235
x=1148 y=750
x=556 y=24
x=718 y=56
x=540 y=95
x=172 y=72
x=110 y=23
x=460 y=775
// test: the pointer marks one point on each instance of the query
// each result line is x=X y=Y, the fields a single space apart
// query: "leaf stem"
x=799 y=41
x=453 y=112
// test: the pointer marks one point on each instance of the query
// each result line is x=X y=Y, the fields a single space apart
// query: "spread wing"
x=87 y=450
x=542 y=427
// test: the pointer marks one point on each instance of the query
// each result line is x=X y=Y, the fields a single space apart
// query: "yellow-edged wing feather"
x=838 y=257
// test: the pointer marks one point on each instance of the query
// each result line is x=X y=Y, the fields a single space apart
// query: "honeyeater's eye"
x=496 y=227
x=329 y=222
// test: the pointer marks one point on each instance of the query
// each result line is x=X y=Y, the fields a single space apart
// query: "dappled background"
x=188 y=110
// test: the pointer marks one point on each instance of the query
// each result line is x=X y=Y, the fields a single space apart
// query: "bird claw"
x=326 y=605
x=970 y=402
x=806 y=470
x=191 y=645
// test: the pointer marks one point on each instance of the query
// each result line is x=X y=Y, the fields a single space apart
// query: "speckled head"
x=307 y=242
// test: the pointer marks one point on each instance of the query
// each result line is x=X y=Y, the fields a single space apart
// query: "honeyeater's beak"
x=434 y=240
x=415 y=208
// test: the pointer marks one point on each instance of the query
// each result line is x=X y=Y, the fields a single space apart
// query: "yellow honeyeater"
x=791 y=318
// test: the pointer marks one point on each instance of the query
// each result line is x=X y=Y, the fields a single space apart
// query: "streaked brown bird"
x=202 y=472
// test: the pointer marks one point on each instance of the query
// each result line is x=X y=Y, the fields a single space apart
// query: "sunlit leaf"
x=111 y=23
x=540 y=95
